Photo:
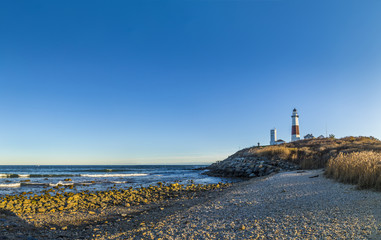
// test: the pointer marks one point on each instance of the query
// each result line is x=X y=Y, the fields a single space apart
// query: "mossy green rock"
x=57 y=199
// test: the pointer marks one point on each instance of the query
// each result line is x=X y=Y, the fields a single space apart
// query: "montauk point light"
x=295 y=135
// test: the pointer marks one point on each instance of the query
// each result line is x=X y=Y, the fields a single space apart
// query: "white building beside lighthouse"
x=295 y=135
x=273 y=138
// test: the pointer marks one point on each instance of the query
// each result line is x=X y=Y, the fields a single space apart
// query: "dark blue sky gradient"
x=129 y=82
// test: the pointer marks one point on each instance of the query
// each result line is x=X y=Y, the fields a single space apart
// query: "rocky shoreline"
x=249 y=166
x=288 y=205
x=93 y=215
x=63 y=199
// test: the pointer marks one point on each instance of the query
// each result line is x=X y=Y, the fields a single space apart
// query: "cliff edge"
x=304 y=154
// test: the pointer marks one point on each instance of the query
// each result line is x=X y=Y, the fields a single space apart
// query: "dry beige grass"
x=352 y=159
x=360 y=168
x=279 y=151
x=314 y=153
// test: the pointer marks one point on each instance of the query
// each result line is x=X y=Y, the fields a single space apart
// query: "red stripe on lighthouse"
x=295 y=130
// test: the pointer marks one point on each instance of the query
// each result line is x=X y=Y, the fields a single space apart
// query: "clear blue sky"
x=142 y=82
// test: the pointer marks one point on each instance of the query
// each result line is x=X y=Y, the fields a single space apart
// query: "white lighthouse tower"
x=273 y=136
x=295 y=136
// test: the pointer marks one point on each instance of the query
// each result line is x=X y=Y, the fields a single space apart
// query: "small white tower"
x=273 y=136
x=295 y=136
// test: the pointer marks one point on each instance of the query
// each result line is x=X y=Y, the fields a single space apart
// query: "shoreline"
x=80 y=224
x=17 y=179
x=284 y=205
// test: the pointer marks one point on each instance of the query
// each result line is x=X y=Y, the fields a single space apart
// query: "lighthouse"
x=295 y=136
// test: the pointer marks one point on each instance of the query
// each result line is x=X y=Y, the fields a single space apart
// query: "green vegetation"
x=58 y=199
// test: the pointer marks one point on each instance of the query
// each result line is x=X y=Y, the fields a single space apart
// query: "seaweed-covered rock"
x=58 y=200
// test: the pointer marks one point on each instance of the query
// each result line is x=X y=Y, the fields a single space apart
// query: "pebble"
x=287 y=205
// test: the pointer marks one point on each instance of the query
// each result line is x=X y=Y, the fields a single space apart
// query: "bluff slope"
x=304 y=154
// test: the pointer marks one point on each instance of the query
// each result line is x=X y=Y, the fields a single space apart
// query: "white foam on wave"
x=10 y=185
x=118 y=182
x=60 y=183
x=84 y=183
x=7 y=175
x=24 y=175
x=115 y=175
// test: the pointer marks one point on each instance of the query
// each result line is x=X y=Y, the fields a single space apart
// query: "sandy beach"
x=288 y=205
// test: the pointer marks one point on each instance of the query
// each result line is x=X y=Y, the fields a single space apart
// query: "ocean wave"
x=115 y=175
x=10 y=185
x=119 y=182
x=60 y=183
x=9 y=175
x=24 y=175
x=53 y=175
x=101 y=170
x=13 y=175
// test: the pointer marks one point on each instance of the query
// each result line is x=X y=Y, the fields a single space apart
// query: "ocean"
x=17 y=179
